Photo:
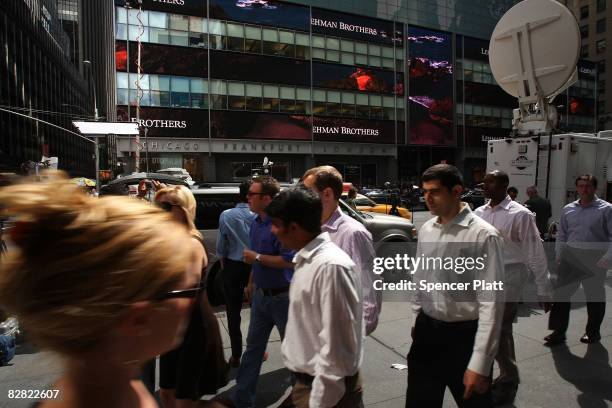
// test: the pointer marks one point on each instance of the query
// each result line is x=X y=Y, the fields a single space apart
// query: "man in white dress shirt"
x=523 y=250
x=456 y=331
x=324 y=334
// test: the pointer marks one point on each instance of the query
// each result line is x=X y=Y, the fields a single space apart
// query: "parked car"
x=364 y=203
x=178 y=172
x=121 y=185
x=474 y=197
x=216 y=198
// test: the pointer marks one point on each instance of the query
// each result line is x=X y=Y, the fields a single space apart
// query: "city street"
x=571 y=375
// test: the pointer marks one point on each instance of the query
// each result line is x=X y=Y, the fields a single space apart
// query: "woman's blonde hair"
x=183 y=197
x=80 y=261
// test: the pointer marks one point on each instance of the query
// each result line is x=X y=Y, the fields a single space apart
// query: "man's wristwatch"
x=258 y=258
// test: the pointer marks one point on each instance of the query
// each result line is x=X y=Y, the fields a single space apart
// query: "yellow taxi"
x=364 y=203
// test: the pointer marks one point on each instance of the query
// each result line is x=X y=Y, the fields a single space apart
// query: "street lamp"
x=91 y=78
x=96 y=145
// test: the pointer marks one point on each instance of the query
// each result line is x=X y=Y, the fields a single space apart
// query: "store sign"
x=161 y=123
x=342 y=130
x=339 y=25
x=275 y=147
x=357 y=27
x=162 y=145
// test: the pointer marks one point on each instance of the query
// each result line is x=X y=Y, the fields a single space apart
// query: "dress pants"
x=266 y=312
x=514 y=280
x=578 y=266
x=438 y=358
x=235 y=277
x=352 y=398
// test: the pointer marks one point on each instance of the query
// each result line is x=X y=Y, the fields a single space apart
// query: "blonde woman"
x=197 y=367
x=105 y=283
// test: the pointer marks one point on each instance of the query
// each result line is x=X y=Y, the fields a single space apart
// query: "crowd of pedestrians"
x=111 y=283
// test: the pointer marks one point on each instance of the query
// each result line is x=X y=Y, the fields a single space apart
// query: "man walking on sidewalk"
x=350 y=235
x=324 y=338
x=541 y=207
x=523 y=251
x=583 y=255
x=268 y=290
x=456 y=332
x=232 y=240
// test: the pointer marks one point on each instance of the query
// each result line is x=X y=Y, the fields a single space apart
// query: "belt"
x=441 y=324
x=274 y=291
x=303 y=378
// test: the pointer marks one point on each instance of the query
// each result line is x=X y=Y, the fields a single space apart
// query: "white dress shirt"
x=354 y=239
x=465 y=235
x=325 y=331
x=522 y=242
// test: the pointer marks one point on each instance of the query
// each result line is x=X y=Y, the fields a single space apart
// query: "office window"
x=584 y=51
x=179 y=92
x=584 y=31
x=302 y=46
x=235 y=37
x=270 y=98
x=254 y=97
x=178 y=22
x=199 y=91
x=601 y=26
x=287 y=99
x=363 y=108
x=600 y=46
x=601 y=5
x=318 y=102
x=333 y=103
x=253 y=39
x=601 y=66
x=584 y=11
x=302 y=104
x=348 y=104
x=179 y=38
x=236 y=96
x=218 y=94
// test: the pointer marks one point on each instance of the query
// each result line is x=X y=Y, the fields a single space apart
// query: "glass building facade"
x=382 y=89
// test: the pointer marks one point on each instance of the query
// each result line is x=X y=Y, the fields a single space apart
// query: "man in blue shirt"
x=583 y=255
x=233 y=238
x=268 y=289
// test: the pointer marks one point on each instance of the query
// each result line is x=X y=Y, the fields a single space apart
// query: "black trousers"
x=235 y=277
x=578 y=267
x=438 y=358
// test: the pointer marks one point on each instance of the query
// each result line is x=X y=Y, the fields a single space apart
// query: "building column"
x=392 y=172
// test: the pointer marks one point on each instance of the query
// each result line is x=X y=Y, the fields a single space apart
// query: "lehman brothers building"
x=379 y=89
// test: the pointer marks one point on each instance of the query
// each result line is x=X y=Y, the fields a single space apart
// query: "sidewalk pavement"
x=571 y=375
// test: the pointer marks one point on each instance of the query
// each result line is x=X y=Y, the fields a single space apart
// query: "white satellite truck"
x=533 y=54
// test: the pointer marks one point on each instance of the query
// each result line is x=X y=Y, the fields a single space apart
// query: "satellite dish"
x=534 y=49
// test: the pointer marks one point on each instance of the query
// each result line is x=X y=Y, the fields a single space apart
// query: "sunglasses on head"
x=188 y=293
x=166 y=206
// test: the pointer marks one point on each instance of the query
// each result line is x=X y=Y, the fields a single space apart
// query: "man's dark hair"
x=449 y=176
x=244 y=189
x=326 y=176
x=501 y=176
x=300 y=205
x=269 y=185
x=352 y=193
x=512 y=190
x=588 y=177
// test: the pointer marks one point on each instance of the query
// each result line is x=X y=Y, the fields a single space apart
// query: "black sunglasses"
x=166 y=206
x=180 y=293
